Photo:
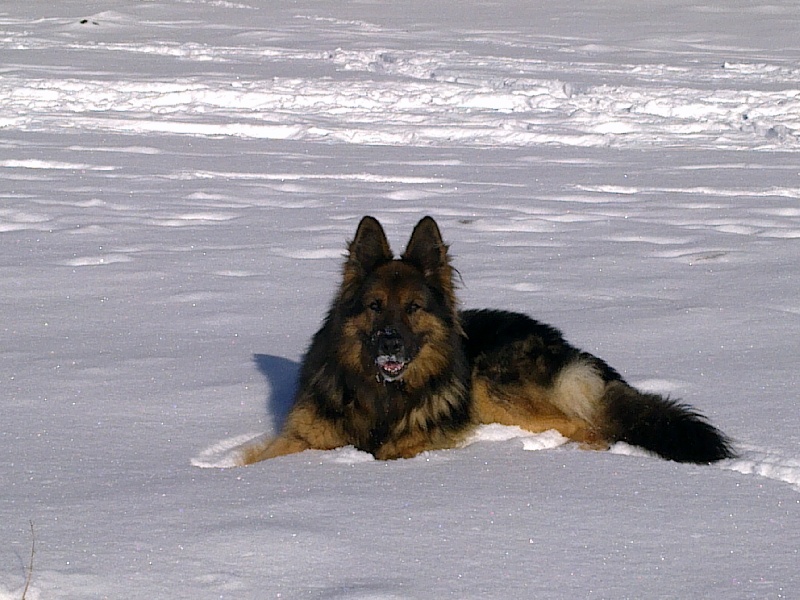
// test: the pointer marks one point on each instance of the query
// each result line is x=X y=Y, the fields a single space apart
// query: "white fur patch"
x=578 y=390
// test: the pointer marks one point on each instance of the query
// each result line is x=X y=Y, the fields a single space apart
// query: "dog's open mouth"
x=391 y=367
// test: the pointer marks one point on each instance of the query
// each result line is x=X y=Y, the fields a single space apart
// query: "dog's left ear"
x=426 y=250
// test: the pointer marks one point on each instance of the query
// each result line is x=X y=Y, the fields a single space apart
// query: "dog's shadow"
x=281 y=375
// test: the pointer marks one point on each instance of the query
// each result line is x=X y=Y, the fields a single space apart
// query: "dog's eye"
x=412 y=308
x=375 y=306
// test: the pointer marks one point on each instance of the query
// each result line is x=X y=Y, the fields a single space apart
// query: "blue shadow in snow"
x=281 y=374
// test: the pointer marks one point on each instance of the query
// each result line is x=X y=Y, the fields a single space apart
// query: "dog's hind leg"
x=538 y=409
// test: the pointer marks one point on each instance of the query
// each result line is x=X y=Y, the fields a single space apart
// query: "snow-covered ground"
x=177 y=182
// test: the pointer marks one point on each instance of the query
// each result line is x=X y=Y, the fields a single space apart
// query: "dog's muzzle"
x=392 y=358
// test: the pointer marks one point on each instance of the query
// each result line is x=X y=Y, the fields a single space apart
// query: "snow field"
x=177 y=182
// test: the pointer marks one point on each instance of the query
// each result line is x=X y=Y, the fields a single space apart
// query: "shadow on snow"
x=281 y=375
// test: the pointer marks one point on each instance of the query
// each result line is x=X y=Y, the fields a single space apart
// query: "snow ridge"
x=225 y=453
x=768 y=464
x=420 y=98
x=753 y=460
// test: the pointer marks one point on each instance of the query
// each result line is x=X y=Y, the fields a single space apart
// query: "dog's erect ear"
x=427 y=252
x=425 y=249
x=369 y=248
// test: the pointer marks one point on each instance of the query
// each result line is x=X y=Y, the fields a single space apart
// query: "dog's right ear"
x=368 y=249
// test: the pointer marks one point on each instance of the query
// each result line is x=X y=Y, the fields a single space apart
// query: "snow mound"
x=225 y=453
x=530 y=441
x=768 y=464
x=347 y=456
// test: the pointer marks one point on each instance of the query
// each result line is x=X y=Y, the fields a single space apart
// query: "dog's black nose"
x=390 y=342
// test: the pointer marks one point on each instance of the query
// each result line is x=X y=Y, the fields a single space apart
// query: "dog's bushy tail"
x=668 y=428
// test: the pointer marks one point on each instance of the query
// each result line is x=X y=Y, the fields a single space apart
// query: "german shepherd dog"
x=396 y=369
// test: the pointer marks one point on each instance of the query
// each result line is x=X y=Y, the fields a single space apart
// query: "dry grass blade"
x=30 y=563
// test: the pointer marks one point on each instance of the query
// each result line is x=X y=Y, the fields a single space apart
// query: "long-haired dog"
x=396 y=369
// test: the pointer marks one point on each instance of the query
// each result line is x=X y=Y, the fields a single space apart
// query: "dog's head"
x=399 y=314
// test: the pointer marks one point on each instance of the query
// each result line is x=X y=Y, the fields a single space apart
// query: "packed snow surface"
x=177 y=182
